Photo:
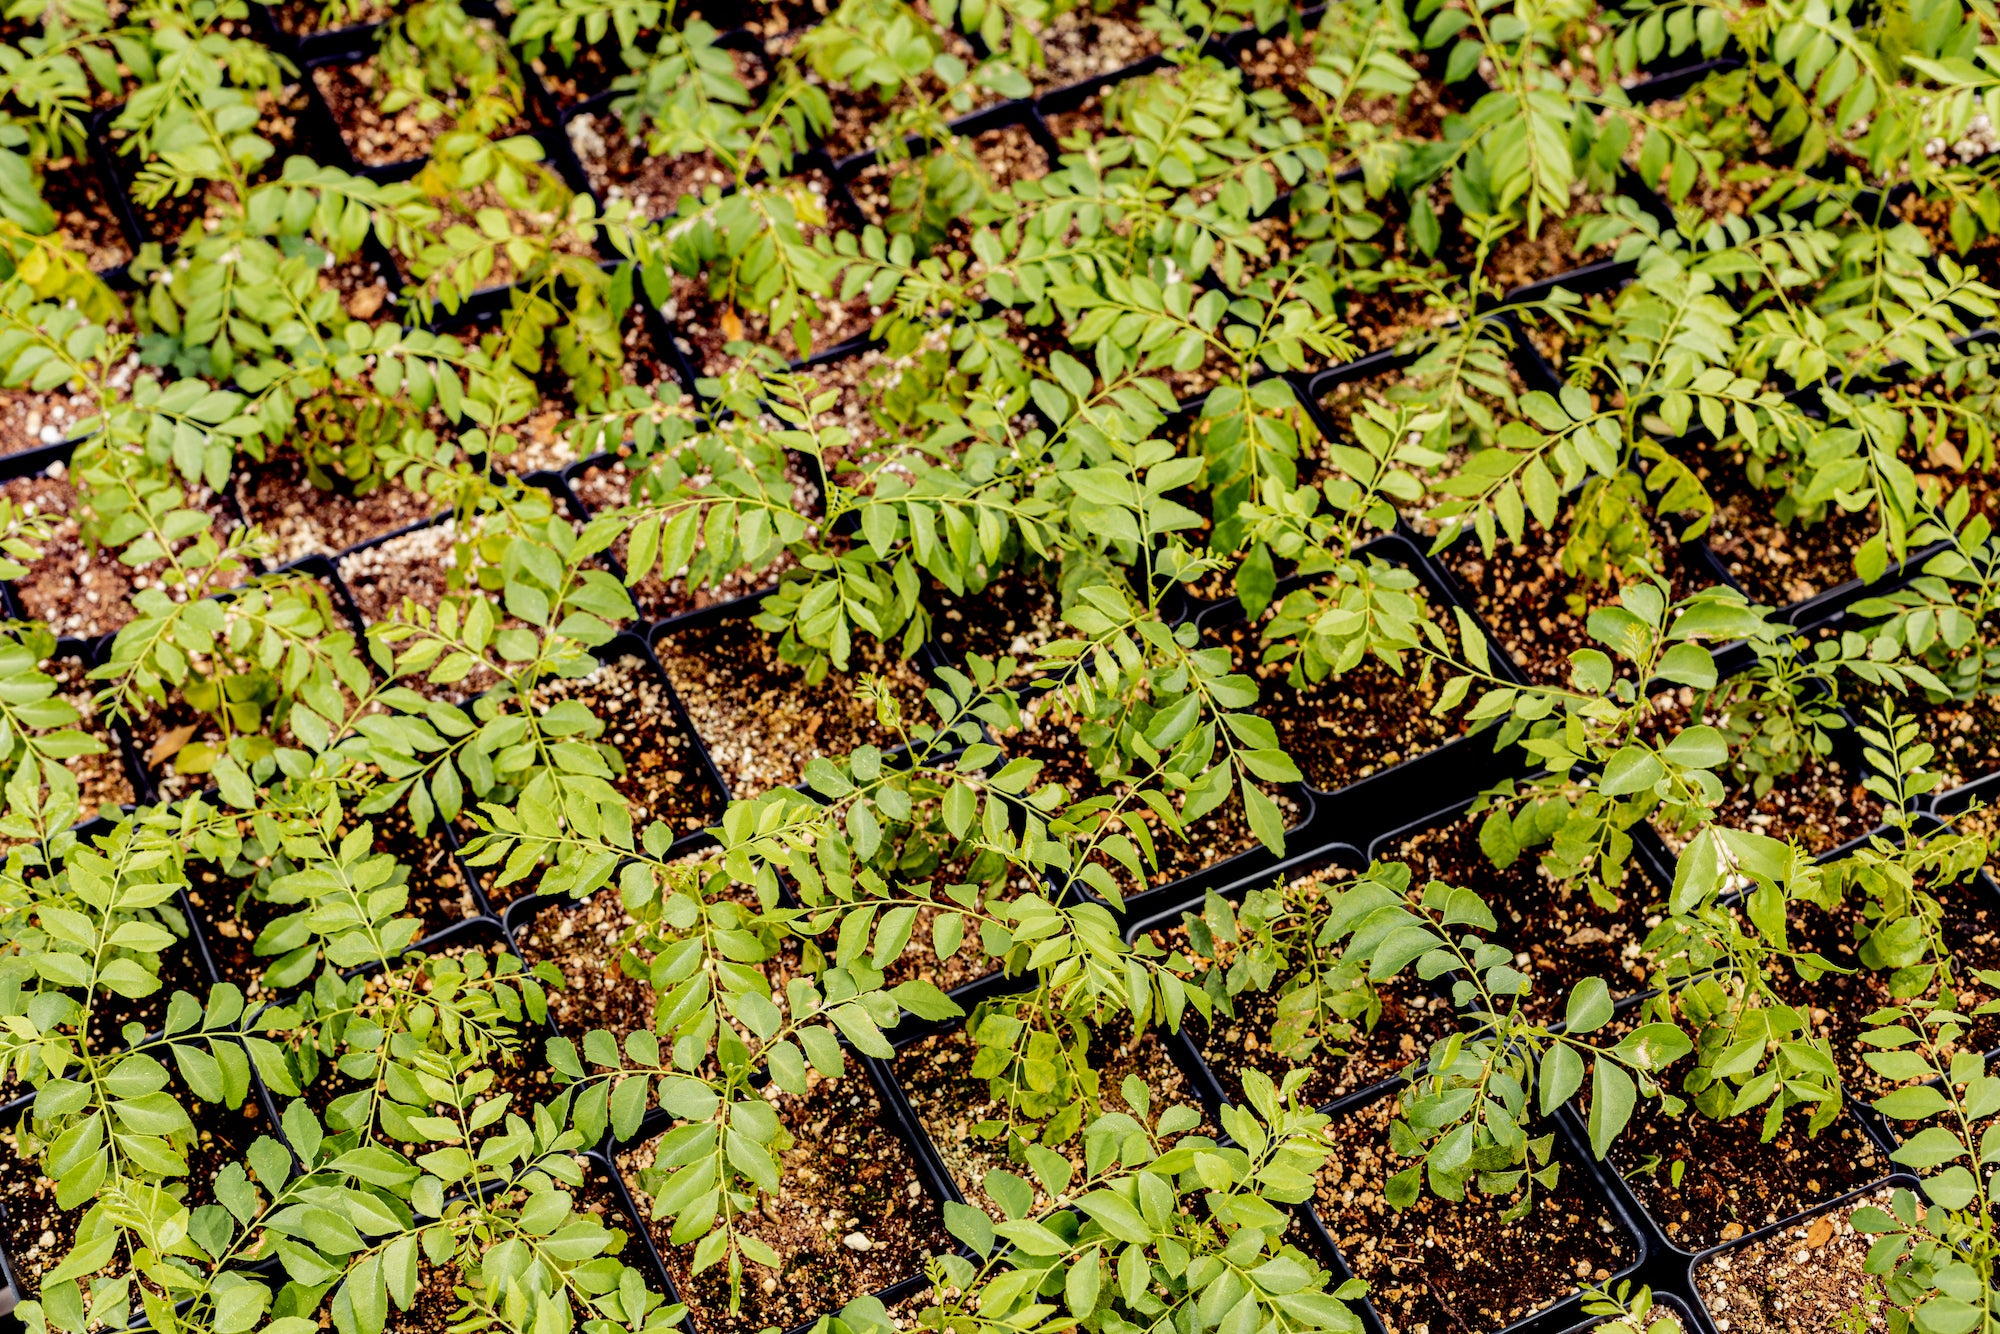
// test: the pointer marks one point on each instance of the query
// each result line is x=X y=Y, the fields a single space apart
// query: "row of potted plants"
x=878 y=665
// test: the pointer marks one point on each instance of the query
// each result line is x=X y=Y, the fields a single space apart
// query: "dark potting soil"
x=353 y=93
x=1413 y=1017
x=1559 y=937
x=306 y=520
x=1442 y=1266
x=77 y=588
x=101 y=779
x=1525 y=599
x=85 y=218
x=1810 y=1276
x=1777 y=564
x=1822 y=804
x=110 y=1013
x=1840 y=1004
x=950 y=1103
x=418 y=566
x=759 y=719
x=300 y=17
x=1345 y=728
x=36 y=1233
x=1089 y=40
x=851 y=1218
x=659 y=774
x=1732 y=1181
x=585 y=941
x=1015 y=615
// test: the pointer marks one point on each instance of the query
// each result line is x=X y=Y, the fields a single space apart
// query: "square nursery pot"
x=1365 y=741
x=753 y=714
x=1439 y=1265
x=1415 y=1013
x=860 y=1212
x=1558 y=938
x=34 y=1230
x=943 y=1104
x=1803 y=1273
x=1823 y=805
x=668 y=773
x=158 y=736
x=80 y=591
x=1729 y=1182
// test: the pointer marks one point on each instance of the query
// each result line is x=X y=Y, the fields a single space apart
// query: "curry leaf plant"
x=1086 y=363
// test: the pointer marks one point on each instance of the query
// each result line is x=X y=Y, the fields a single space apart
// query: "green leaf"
x=1911 y=1104
x=1612 y=1098
x=970 y=1226
x=1590 y=1006
x=1631 y=769
x=1562 y=1076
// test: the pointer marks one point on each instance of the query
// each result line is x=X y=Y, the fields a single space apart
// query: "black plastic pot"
x=1706 y=1321
x=895 y=1120
x=1187 y=1043
x=1572 y=1150
x=1459 y=767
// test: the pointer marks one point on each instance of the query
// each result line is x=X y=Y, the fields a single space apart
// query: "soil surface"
x=101 y=779
x=1810 y=1276
x=759 y=719
x=852 y=1216
x=936 y=1076
x=31 y=419
x=660 y=775
x=1734 y=1182
x=37 y=1234
x=307 y=521
x=1525 y=599
x=1439 y=1266
x=416 y=565
x=1841 y=1003
x=1777 y=564
x=1822 y=805
x=85 y=218
x=1558 y=936
x=1017 y=614
x=1345 y=728
x=80 y=589
x=610 y=486
x=1083 y=43
x=352 y=93
x=585 y=941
